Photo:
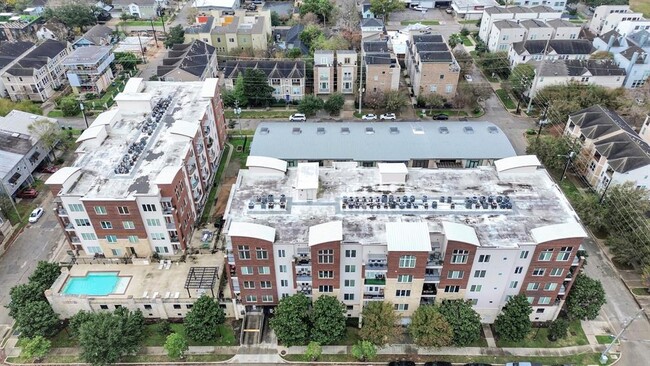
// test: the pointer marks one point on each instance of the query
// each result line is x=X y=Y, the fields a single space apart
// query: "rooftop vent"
x=264 y=131
x=370 y=130
x=418 y=131
x=493 y=129
x=468 y=129
x=345 y=130
x=443 y=130
x=394 y=130
x=320 y=131
x=296 y=131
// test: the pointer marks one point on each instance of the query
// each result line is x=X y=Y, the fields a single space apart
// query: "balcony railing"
x=69 y=226
x=375 y=281
x=171 y=226
x=562 y=290
x=62 y=211
x=75 y=239
x=432 y=278
x=167 y=211
x=373 y=297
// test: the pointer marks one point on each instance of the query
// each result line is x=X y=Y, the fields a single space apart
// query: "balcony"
x=171 y=225
x=376 y=297
x=195 y=182
x=302 y=260
x=377 y=266
x=375 y=281
x=231 y=258
x=303 y=275
x=562 y=290
x=74 y=239
x=61 y=211
x=191 y=169
x=174 y=239
x=432 y=276
x=167 y=211
x=69 y=227
x=429 y=289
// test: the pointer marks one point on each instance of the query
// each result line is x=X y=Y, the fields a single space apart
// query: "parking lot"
x=280 y=7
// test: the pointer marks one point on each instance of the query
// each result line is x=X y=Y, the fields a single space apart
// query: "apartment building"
x=555 y=5
x=195 y=61
x=431 y=66
x=287 y=77
x=611 y=152
x=346 y=71
x=513 y=13
x=471 y=9
x=556 y=49
x=98 y=35
x=9 y=53
x=36 y=74
x=610 y=17
x=371 y=27
x=504 y=34
x=564 y=29
x=537 y=29
x=240 y=29
x=200 y=30
x=598 y=72
x=381 y=69
x=324 y=72
x=143 y=171
x=630 y=53
x=335 y=71
x=408 y=236
x=88 y=69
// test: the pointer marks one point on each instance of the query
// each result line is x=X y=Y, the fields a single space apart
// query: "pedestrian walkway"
x=489 y=337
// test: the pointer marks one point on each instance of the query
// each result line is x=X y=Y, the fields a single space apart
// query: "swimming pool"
x=96 y=283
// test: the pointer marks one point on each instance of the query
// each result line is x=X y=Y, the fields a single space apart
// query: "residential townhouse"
x=564 y=29
x=417 y=241
x=555 y=5
x=598 y=72
x=630 y=53
x=365 y=10
x=381 y=68
x=513 y=13
x=556 y=49
x=98 y=35
x=36 y=74
x=219 y=5
x=504 y=34
x=324 y=72
x=200 y=30
x=237 y=30
x=143 y=171
x=431 y=66
x=195 y=61
x=287 y=77
x=288 y=38
x=610 y=17
x=88 y=69
x=611 y=152
x=9 y=53
x=346 y=71
x=372 y=27
x=471 y=9
x=335 y=71
x=537 y=29
x=144 y=9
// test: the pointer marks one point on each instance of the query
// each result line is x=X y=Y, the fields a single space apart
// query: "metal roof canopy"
x=201 y=278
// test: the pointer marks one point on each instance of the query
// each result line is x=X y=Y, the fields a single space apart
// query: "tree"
x=313 y=351
x=176 y=345
x=464 y=60
x=127 y=60
x=454 y=40
x=73 y=14
x=349 y=17
x=322 y=8
x=176 y=35
x=395 y=101
x=429 y=328
x=36 y=348
x=202 y=322
x=333 y=43
x=77 y=321
x=49 y=134
x=585 y=299
x=380 y=323
x=291 y=320
x=513 y=323
x=310 y=104
x=496 y=63
x=69 y=106
x=294 y=53
x=334 y=103
x=469 y=95
x=563 y=100
x=433 y=101
x=37 y=318
x=23 y=294
x=364 y=351
x=558 y=329
x=601 y=55
x=275 y=18
x=465 y=321
x=328 y=320
x=192 y=12
x=383 y=8
x=257 y=90
x=374 y=99
x=105 y=337
x=591 y=212
x=550 y=150
x=464 y=32
x=46 y=272
x=236 y=97
x=521 y=79
x=310 y=33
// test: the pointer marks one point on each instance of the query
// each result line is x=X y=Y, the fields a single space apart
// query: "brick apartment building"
x=408 y=236
x=143 y=171
x=431 y=66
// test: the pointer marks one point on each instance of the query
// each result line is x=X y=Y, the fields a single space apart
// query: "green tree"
x=333 y=43
x=294 y=53
x=310 y=33
x=464 y=32
x=470 y=94
x=322 y=8
x=73 y=14
x=364 y=351
x=164 y=327
x=395 y=101
x=429 y=328
x=591 y=212
x=69 y=106
x=176 y=345
x=464 y=320
x=77 y=320
x=176 y=35
x=105 y=337
x=310 y=105
x=202 y=322
x=313 y=351
x=496 y=63
x=127 y=60
x=558 y=329
x=551 y=151
x=46 y=272
x=49 y=134
x=454 y=40
x=433 y=101
x=334 y=103
x=257 y=90
x=275 y=19
x=566 y=99
x=380 y=323
x=23 y=294
x=585 y=299
x=465 y=61
x=37 y=318
x=521 y=79
x=291 y=320
x=328 y=320
x=513 y=323
x=236 y=96
x=383 y=8
x=36 y=348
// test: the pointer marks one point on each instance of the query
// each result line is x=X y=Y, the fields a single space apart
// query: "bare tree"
x=349 y=15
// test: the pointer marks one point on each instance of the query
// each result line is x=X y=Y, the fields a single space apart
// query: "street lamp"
x=83 y=113
x=568 y=156
x=237 y=111
x=603 y=356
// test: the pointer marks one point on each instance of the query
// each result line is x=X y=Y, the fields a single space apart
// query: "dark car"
x=401 y=363
x=49 y=169
x=477 y=364
x=27 y=193
x=438 y=363
x=462 y=119
x=441 y=117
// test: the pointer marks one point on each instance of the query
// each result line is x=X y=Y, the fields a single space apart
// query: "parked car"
x=523 y=364
x=49 y=169
x=419 y=8
x=369 y=117
x=468 y=78
x=35 y=215
x=441 y=117
x=401 y=363
x=297 y=117
x=462 y=118
x=251 y=7
x=449 y=11
x=388 y=116
x=27 y=193
x=438 y=363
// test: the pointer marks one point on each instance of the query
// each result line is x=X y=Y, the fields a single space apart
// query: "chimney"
x=611 y=42
x=635 y=56
x=644 y=38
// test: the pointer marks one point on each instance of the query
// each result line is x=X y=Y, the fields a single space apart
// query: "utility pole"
x=141 y=48
x=154 y=32
x=361 y=83
x=11 y=200
x=538 y=74
x=542 y=122
x=602 y=196
x=83 y=113
x=569 y=156
x=603 y=356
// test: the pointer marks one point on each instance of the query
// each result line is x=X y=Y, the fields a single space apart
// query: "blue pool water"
x=93 y=283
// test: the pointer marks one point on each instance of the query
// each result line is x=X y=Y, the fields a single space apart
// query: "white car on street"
x=388 y=116
x=369 y=117
x=468 y=78
x=419 y=8
x=298 y=117
x=35 y=215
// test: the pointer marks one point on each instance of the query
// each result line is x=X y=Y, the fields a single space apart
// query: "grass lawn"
x=217 y=180
x=135 y=23
x=351 y=336
x=260 y=114
x=63 y=339
x=538 y=338
x=505 y=98
x=106 y=98
x=642 y=6
x=640 y=291
x=212 y=357
x=153 y=338
x=423 y=22
x=56 y=113
x=241 y=155
x=604 y=339
x=449 y=112
x=466 y=41
x=467 y=22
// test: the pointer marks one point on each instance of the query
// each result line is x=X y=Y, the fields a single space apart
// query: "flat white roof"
x=209 y=85
x=61 y=175
x=248 y=230
x=392 y=168
x=133 y=85
x=133 y=96
x=559 y=231
x=105 y=118
x=514 y=162
x=307 y=177
x=460 y=232
x=91 y=133
x=325 y=233
x=266 y=162
x=408 y=237
x=167 y=174
x=184 y=128
x=213 y=4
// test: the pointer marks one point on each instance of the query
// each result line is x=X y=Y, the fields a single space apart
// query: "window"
x=350 y=253
x=348 y=297
x=100 y=210
x=530 y=299
x=93 y=250
x=147 y=307
x=533 y=286
x=162 y=249
x=177 y=306
x=523 y=254
x=459 y=256
x=261 y=253
x=148 y=207
x=544 y=300
x=106 y=224
x=473 y=301
x=326 y=256
x=153 y=222
x=564 y=254
x=518 y=270
x=479 y=273
x=157 y=236
x=283 y=268
x=325 y=288
x=103 y=307
x=546 y=255
x=556 y=272
x=116 y=252
x=405 y=278
x=403 y=293
x=348 y=283
x=452 y=288
x=350 y=268
x=123 y=210
x=325 y=274
x=514 y=284
x=550 y=286
x=401 y=307
x=475 y=288
x=88 y=236
x=538 y=271
x=82 y=222
x=265 y=284
x=284 y=283
x=442 y=76
x=76 y=207
x=251 y=298
x=267 y=298
x=449 y=88
x=407 y=261
x=282 y=253
x=111 y=238
x=455 y=274
x=133 y=239
x=244 y=252
x=483 y=258
x=433 y=88
x=247 y=270
x=249 y=285
x=189 y=306
x=129 y=225
x=264 y=270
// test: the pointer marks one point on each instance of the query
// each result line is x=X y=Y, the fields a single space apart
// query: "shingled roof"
x=36 y=58
x=10 y=51
x=280 y=69
x=193 y=58
x=560 y=46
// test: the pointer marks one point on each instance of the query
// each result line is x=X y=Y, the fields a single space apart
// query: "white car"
x=35 y=215
x=468 y=78
x=297 y=117
x=369 y=117
x=419 y=8
x=388 y=116
x=449 y=11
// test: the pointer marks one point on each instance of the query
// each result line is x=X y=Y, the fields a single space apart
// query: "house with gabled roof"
x=99 y=35
x=287 y=77
x=556 y=49
x=194 y=61
x=629 y=52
